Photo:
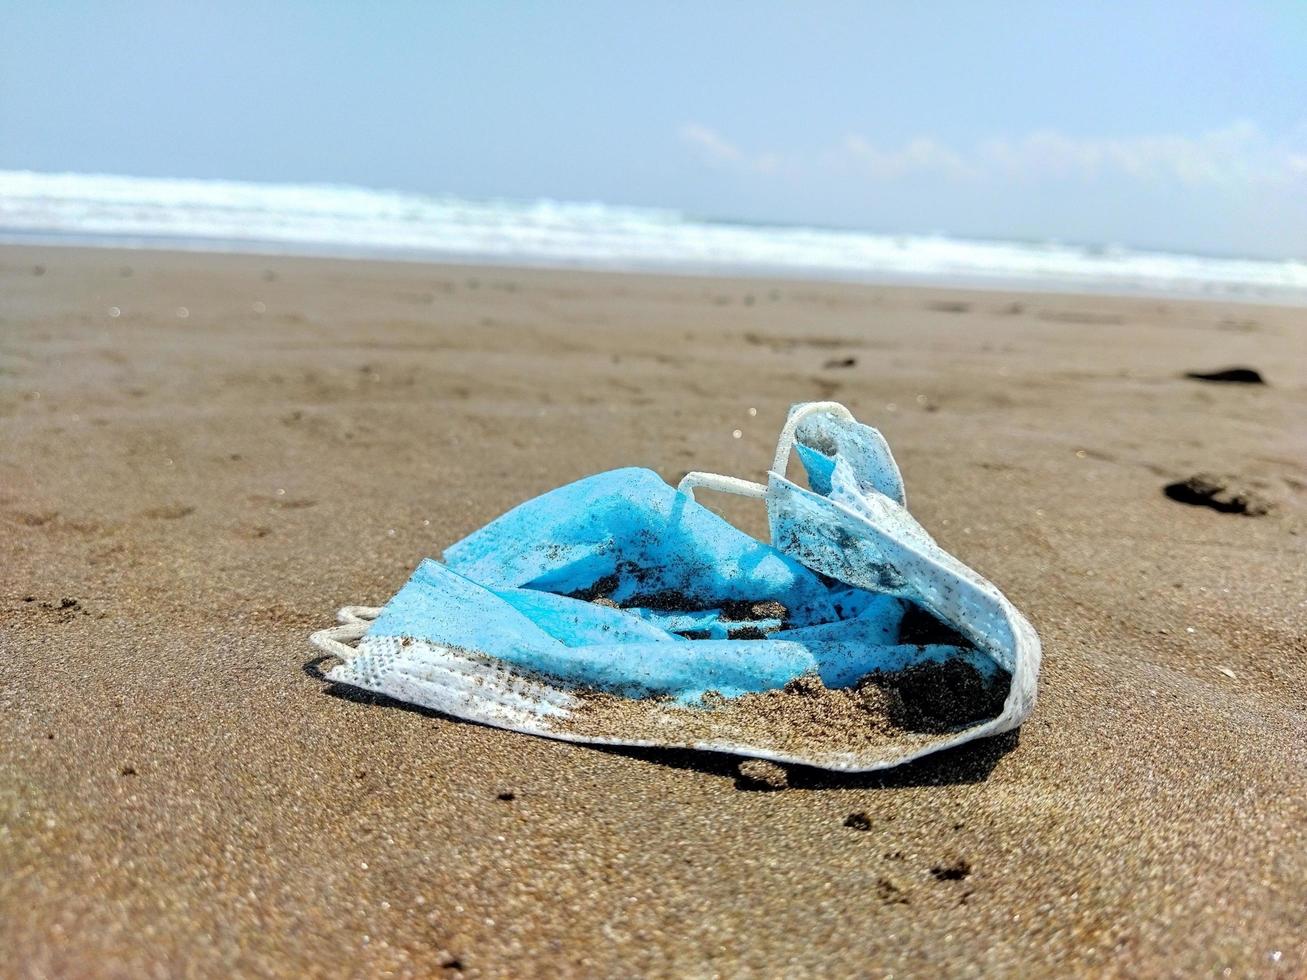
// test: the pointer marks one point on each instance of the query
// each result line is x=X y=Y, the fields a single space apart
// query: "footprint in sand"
x=170 y=512
x=34 y=519
x=948 y=306
x=1085 y=317
x=283 y=502
x=1238 y=326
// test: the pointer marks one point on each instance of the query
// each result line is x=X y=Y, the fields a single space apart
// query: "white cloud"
x=717 y=151
x=920 y=155
x=710 y=144
x=1234 y=156
x=1237 y=154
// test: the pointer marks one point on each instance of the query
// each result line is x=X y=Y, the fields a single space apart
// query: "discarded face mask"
x=618 y=610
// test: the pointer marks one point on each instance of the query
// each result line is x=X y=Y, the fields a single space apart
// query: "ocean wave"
x=243 y=216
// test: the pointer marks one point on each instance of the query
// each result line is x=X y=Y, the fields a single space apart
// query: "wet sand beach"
x=202 y=457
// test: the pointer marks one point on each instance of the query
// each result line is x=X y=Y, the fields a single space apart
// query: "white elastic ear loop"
x=715 y=481
x=785 y=443
x=354 y=622
x=357 y=614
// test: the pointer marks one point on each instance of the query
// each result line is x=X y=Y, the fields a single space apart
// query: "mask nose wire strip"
x=784 y=445
x=336 y=640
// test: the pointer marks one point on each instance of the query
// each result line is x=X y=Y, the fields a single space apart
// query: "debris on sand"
x=761 y=774
x=858 y=821
x=566 y=617
x=1232 y=375
x=448 y=961
x=1218 y=493
x=952 y=871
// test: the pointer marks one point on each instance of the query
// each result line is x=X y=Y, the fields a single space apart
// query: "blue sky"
x=1180 y=125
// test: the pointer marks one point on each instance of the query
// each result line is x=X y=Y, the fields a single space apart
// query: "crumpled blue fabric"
x=679 y=583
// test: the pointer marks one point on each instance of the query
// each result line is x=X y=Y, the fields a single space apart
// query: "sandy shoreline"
x=183 y=497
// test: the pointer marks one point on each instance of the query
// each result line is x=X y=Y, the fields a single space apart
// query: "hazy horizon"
x=1168 y=126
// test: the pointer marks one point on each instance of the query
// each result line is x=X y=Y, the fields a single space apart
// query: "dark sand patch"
x=836 y=363
x=1234 y=375
x=954 y=870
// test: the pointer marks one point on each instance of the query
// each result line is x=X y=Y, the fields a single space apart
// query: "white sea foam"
x=310 y=218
